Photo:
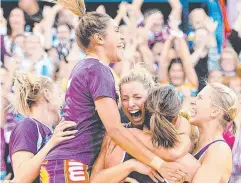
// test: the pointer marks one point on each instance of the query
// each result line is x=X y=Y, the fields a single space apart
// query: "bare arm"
x=164 y=61
x=115 y=174
x=176 y=14
x=171 y=154
x=109 y=114
x=119 y=172
x=185 y=57
x=26 y=165
x=215 y=166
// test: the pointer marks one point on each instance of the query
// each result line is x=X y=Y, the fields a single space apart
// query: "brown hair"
x=27 y=90
x=91 y=23
x=164 y=104
x=228 y=101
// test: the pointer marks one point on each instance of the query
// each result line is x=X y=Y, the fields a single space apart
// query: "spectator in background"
x=235 y=84
x=229 y=62
x=197 y=18
x=178 y=72
x=215 y=76
x=32 y=13
x=205 y=55
x=3 y=23
x=235 y=36
x=36 y=59
x=16 y=26
x=63 y=42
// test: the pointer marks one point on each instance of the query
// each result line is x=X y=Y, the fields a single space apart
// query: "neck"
x=16 y=32
x=208 y=133
x=32 y=9
x=39 y=113
x=100 y=55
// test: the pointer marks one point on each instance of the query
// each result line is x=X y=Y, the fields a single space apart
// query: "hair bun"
x=76 y=6
x=232 y=112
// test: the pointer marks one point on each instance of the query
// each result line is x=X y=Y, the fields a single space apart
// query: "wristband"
x=156 y=162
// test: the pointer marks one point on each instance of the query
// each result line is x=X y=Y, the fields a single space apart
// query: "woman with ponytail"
x=90 y=101
x=212 y=110
x=154 y=119
x=38 y=100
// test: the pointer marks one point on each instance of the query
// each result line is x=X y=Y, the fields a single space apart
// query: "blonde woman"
x=212 y=110
x=38 y=99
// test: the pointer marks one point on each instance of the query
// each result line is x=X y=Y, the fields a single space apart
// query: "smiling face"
x=133 y=97
x=16 y=19
x=176 y=74
x=228 y=61
x=114 y=42
x=201 y=107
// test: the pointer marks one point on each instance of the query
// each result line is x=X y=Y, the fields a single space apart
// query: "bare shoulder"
x=219 y=153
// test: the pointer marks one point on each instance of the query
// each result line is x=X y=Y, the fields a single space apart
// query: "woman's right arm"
x=26 y=165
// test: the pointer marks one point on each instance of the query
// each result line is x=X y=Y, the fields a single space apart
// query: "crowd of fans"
x=43 y=42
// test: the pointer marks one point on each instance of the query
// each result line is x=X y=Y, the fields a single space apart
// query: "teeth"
x=134 y=111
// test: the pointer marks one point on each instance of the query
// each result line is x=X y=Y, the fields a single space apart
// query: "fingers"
x=153 y=178
x=130 y=180
x=68 y=133
x=64 y=125
x=157 y=176
x=67 y=138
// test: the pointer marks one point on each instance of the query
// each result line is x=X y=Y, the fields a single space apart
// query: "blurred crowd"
x=43 y=42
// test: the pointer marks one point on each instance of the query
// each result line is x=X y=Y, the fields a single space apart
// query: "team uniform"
x=29 y=135
x=205 y=148
x=72 y=160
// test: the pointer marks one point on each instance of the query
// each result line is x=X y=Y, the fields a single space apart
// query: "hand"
x=61 y=134
x=129 y=180
x=173 y=172
x=101 y=9
x=211 y=25
x=146 y=170
x=122 y=9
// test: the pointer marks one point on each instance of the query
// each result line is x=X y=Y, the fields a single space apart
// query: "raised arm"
x=184 y=55
x=164 y=61
x=175 y=16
